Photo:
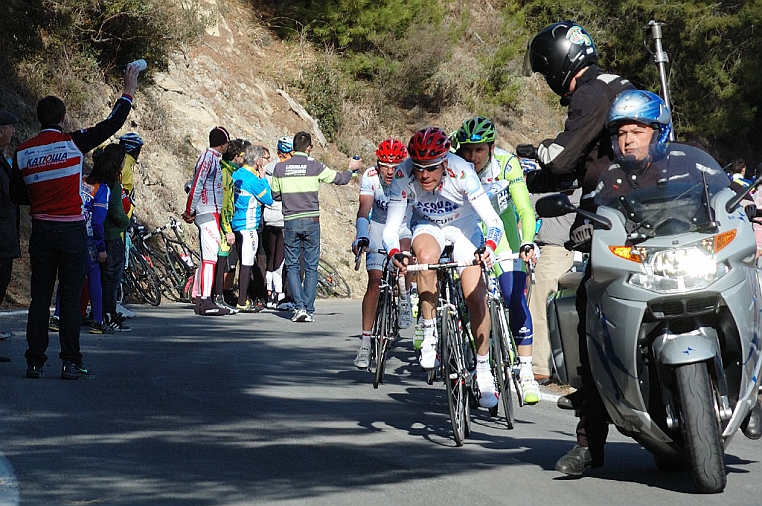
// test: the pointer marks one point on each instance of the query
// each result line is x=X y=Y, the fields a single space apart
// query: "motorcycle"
x=673 y=312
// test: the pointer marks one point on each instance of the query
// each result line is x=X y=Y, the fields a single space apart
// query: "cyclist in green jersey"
x=496 y=168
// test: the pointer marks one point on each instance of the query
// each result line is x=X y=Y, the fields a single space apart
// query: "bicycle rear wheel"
x=143 y=279
x=501 y=364
x=454 y=375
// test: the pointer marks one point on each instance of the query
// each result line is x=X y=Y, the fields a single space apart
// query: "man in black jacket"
x=565 y=54
x=9 y=216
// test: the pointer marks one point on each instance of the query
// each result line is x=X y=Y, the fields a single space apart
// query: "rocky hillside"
x=238 y=78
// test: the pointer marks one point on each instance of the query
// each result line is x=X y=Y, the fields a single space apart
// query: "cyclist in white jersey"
x=448 y=202
x=371 y=217
x=500 y=169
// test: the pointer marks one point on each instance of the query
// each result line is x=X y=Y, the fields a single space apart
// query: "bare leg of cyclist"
x=369 y=304
x=427 y=251
x=476 y=300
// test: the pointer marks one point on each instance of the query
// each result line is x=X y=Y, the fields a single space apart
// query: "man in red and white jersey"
x=47 y=176
x=203 y=208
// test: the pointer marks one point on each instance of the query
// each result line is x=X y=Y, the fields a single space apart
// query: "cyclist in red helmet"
x=371 y=216
x=448 y=201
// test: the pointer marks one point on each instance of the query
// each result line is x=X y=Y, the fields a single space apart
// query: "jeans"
x=301 y=237
x=56 y=249
x=112 y=271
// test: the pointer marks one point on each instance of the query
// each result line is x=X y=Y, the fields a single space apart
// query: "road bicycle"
x=503 y=350
x=456 y=345
x=175 y=260
x=139 y=275
x=385 y=330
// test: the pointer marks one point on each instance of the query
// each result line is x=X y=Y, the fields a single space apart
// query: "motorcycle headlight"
x=676 y=270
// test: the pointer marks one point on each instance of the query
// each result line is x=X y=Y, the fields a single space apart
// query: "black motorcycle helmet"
x=558 y=52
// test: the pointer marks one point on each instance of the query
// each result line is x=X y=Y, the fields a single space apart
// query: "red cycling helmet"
x=429 y=147
x=391 y=152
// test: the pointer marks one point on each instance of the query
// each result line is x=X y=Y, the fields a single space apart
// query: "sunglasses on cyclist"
x=427 y=168
x=462 y=137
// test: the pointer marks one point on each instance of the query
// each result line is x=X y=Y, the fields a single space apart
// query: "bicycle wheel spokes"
x=455 y=375
x=143 y=279
x=501 y=364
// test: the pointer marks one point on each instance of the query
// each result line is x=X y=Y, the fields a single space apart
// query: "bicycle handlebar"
x=441 y=266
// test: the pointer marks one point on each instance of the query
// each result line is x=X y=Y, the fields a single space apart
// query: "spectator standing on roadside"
x=231 y=161
x=9 y=214
x=133 y=144
x=203 y=208
x=295 y=183
x=117 y=221
x=272 y=231
x=251 y=191
x=554 y=261
x=47 y=175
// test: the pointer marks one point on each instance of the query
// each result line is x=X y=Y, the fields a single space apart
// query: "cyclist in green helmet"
x=501 y=174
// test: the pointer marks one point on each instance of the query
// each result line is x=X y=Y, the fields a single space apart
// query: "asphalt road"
x=255 y=409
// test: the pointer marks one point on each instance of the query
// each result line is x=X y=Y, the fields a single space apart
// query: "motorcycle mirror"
x=553 y=206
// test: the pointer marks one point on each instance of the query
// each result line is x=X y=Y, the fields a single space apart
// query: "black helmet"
x=559 y=51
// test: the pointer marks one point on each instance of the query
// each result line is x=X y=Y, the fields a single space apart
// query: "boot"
x=752 y=426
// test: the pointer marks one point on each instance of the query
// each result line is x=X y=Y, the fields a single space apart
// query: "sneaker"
x=429 y=358
x=71 y=371
x=230 y=297
x=418 y=336
x=362 y=360
x=404 y=314
x=34 y=372
x=530 y=390
x=4 y=335
x=309 y=318
x=220 y=301
x=299 y=316
x=117 y=323
x=125 y=312
x=245 y=308
x=485 y=389
x=258 y=306
x=53 y=326
x=209 y=308
x=100 y=328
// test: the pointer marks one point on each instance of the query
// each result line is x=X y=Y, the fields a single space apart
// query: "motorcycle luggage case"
x=562 y=327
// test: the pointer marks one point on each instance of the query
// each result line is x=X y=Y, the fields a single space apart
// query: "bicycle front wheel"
x=143 y=279
x=455 y=375
x=501 y=362
x=380 y=329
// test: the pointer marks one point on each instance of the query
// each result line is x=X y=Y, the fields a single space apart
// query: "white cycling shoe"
x=429 y=358
x=486 y=393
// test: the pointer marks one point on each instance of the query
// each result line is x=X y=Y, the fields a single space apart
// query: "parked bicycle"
x=139 y=275
x=330 y=283
x=174 y=258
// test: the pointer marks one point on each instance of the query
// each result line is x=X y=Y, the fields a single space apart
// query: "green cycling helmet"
x=476 y=130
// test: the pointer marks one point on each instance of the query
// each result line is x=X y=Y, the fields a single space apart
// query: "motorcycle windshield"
x=668 y=193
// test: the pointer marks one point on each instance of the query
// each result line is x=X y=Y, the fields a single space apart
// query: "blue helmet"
x=643 y=107
x=131 y=142
x=286 y=144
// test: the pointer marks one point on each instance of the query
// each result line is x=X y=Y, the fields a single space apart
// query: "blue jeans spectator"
x=301 y=237
x=112 y=271
x=56 y=249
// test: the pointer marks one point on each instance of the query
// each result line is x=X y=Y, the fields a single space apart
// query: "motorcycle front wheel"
x=700 y=427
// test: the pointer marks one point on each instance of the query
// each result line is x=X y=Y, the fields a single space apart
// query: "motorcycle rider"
x=640 y=125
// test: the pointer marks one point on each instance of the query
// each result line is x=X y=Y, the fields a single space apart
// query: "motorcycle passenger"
x=448 y=201
x=640 y=125
x=476 y=144
x=371 y=216
x=567 y=57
